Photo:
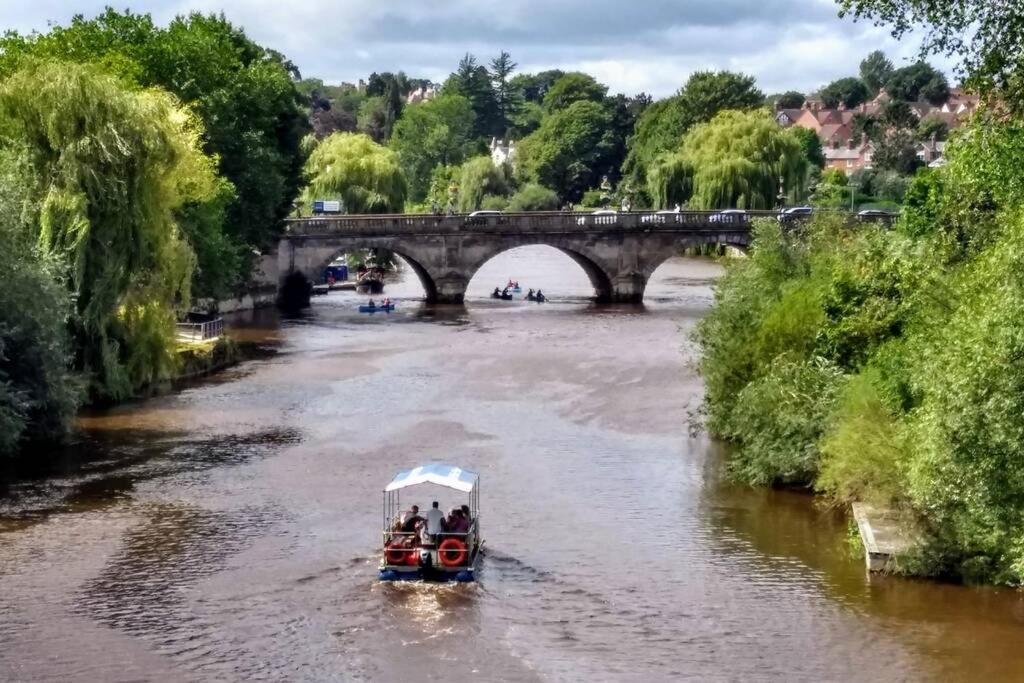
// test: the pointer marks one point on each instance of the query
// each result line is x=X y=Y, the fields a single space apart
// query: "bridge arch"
x=598 y=276
x=425 y=278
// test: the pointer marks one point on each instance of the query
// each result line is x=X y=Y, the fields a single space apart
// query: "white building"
x=503 y=152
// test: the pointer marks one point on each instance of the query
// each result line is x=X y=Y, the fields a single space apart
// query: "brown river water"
x=230 y=531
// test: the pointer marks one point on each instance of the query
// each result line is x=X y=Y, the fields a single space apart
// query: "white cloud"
x=642 y=45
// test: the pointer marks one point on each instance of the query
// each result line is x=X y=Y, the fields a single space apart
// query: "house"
x=503 y=152
x=849 y=157
x=421 y=94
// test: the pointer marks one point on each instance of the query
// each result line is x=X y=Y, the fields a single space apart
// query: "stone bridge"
x=618 y=251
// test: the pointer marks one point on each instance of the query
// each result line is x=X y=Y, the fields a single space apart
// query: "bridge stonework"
x=618 y=252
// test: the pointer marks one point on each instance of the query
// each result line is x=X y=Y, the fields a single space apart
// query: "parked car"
x=483 y=213
x=582 y=220
x=729 y=216
x=795 y=213
x=875 y=215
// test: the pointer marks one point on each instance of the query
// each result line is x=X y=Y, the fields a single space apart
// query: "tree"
x=473 y=81
x=365 y=176
x=875 y=71
x=663 y=124
x=788 y=100
x=533 y=197
x=918 y=81
x=573 y=87
x=506 y=98
x=569 y=152
x=439 y=131
x=988 y=36
x=810 y=143
x=738 y=160
x=849 y=92
x=114 y=168
x=253 y=117
x=932 y=126
x=38 y=393
x=479 y=178
x=533 y=87
x=373 y=119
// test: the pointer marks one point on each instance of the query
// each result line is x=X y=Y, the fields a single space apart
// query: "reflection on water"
x=230 y=531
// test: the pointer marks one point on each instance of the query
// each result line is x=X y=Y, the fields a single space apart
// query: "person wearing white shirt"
x=435 y=519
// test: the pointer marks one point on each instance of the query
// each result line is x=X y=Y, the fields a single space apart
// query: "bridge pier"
x=627 y=288
x=448 y=289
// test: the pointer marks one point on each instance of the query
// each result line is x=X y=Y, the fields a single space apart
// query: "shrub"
x=533 y=197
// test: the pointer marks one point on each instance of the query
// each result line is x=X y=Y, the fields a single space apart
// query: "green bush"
x=493 y=202
x=533 y=197
x=779 y=419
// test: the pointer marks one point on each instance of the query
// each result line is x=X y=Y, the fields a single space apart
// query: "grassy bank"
x=203 y=358
x=888 y=365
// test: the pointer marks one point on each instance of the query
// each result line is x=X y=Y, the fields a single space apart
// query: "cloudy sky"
x=632 y=45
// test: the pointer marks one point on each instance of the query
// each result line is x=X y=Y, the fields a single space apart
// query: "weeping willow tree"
x=737 y=159
x=351 y=167
x=114 y=167
x=478 y=178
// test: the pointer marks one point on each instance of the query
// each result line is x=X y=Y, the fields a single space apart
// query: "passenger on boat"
x=371 y=304
x=465 y=513
x=386 y=302
x=457 y=522
x=504 y=293
x=530 y=296
x=540 y=297
x=435 y=519
x=410 y=519
x=496 y=293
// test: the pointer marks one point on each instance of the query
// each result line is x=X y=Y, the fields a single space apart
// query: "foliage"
x=533 y=87
x=533 y=197
x=875 y=71
x=506 y=98
x=782 y=416
x=494 y=202
x=885 y=365
x=435 y=132
x=573 y=87
x=38 y=394
x=737 y=160
x=810 y=143
x=661 y=126
x=790 y=99
x=365 y=176
x=918 y=81
x=986 y=35
x=932 y=126
x=244 y=94
x=372 y=119
x=478 y=178
x=114 y=169
x=472 y=81
x=848 y=92
x=570 y=150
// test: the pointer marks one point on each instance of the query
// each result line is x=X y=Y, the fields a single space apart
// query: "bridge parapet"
x=532 y=222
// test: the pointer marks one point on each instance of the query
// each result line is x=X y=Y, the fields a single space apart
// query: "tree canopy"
x=439 y=131
x=875 y=71
x=848 y=92
x=919 y=81
x=244 y=94
x=735 y=160
x=365 y=176
x=573 y=87
x=570 y=151
x=662 y=125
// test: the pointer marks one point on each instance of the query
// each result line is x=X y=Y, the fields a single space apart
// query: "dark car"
x=795 y=213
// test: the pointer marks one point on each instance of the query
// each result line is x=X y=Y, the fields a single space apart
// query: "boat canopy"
x=435 y=473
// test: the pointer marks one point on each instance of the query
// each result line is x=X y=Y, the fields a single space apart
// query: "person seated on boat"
x=457 y=522
x=530 y=296
x=469 y=517
x=410 y=519
x=504 y=293
x=386 y=302
x=496 y=293
x=371 y=304
x=540 y=295
x=435 y=520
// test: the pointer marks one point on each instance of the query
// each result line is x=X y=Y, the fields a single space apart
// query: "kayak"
x=373 y=309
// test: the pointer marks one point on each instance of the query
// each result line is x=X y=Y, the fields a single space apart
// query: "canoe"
x=373 y=309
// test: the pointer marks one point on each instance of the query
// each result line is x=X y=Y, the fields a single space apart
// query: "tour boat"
x=377 y=307
x=413 y=554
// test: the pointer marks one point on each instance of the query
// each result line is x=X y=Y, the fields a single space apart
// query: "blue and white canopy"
x=435 y=473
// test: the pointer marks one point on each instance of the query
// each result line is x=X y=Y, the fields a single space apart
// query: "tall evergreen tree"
x=506 y=98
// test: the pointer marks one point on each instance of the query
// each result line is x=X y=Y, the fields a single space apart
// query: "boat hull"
x=376 y=309
x=432 y=573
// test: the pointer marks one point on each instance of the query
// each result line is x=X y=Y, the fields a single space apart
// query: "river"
x=229 y=531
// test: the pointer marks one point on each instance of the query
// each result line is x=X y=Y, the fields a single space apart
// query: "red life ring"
x=396 y=554
x=452 y=552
